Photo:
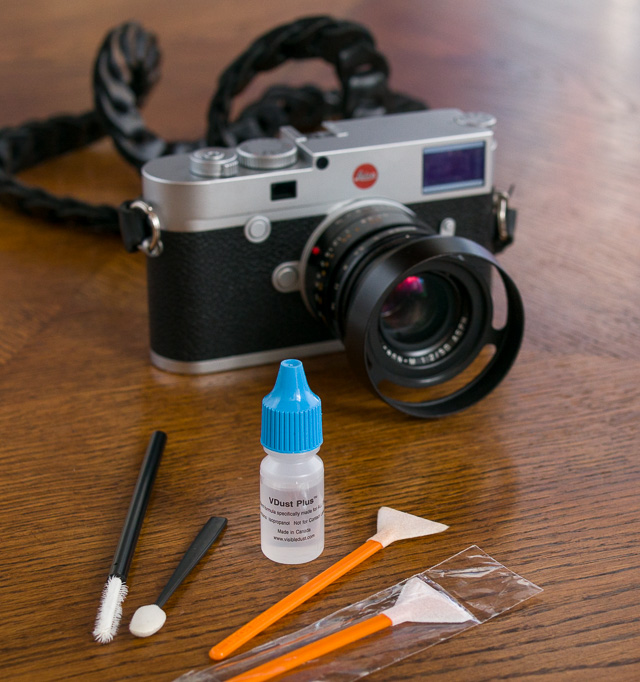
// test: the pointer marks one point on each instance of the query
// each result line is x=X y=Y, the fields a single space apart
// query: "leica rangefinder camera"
x=374 y=236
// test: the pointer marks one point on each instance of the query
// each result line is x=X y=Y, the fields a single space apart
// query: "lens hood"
x=470 y=265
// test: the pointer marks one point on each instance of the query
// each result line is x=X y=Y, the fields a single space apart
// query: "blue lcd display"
x=453 y=167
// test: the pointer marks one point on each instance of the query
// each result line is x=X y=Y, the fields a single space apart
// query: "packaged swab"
x=471 y=585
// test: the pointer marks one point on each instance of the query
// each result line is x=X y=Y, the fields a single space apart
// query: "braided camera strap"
x=36 y=141
x=347 y=46
x=127 y=68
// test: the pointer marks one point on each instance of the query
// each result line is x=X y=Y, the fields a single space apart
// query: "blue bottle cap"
x=291 y=413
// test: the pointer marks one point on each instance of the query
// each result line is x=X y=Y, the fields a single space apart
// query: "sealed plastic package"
x=471 y=582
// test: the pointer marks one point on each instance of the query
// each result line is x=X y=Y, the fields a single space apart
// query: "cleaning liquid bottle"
x=292 y=474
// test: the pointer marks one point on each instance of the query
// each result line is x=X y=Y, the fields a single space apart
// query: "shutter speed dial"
x=266 y=153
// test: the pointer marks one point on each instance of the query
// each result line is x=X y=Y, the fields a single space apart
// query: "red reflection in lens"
x=413 y=283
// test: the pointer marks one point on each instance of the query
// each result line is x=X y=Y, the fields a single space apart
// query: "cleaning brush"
x=110 y=611
x=115 y=589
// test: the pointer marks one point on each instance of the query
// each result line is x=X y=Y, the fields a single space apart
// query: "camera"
x=372 y=235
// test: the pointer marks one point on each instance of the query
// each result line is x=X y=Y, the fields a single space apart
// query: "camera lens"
x=414 y=309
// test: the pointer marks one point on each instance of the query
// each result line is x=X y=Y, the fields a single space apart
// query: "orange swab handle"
x=291 y=601
x=314 y=650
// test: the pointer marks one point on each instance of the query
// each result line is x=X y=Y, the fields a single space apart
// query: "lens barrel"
x=414 y=309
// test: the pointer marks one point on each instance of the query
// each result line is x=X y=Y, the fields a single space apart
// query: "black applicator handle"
x=138 y=507
x=198 y=548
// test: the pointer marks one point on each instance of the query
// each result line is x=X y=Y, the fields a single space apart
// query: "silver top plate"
x=370 y=158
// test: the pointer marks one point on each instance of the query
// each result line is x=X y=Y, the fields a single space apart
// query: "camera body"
x=239 y=227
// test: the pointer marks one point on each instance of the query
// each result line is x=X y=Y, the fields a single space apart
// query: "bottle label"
x=292 y=518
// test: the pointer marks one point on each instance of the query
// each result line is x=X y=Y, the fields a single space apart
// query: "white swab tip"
x=420 y=603
x=396 y=525
x=147 y=620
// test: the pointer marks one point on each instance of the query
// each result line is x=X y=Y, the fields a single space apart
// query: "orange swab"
x=392 y=525
x=417 y=603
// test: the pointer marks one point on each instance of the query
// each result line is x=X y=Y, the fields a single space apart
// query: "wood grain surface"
x=543 y=474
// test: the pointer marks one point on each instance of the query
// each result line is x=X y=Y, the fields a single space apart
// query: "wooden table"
x=543 y=474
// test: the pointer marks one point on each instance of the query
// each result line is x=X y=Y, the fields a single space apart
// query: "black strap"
x=128 y=66
x=24 y=146
x=134 y=227
x=125 y=71
x=349 y=47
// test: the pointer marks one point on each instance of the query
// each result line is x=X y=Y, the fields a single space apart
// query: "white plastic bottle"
x=292 y=474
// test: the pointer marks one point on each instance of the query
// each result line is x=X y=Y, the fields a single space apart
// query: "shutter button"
x=214 y=162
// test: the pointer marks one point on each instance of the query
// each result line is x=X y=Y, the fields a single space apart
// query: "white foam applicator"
x=147 y=620
x=392 y=525
x=418 y=603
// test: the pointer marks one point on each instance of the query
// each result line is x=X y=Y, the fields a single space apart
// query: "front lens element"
x=420 y=312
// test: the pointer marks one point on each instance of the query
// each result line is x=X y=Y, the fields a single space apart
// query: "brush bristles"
x=110 y=611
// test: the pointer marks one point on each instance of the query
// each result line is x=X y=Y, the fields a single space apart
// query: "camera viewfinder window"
x=283 y=190
x=453 y=167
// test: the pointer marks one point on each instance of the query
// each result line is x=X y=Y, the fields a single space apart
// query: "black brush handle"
x=138 y=506
x=205 y=538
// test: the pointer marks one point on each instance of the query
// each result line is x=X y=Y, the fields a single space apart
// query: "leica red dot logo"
x=365 y=176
